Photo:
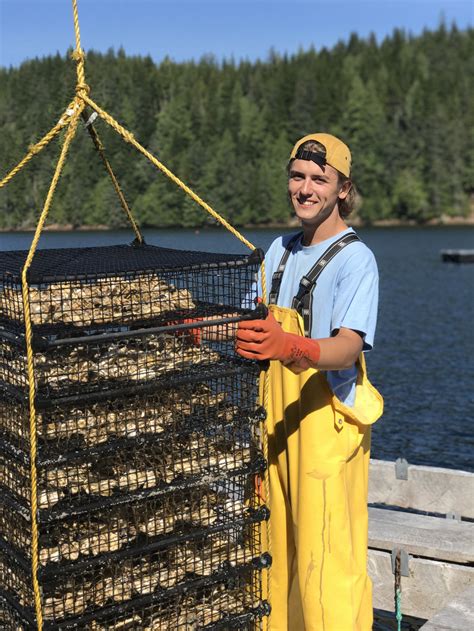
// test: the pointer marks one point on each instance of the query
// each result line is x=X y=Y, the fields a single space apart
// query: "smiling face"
x=314 y=192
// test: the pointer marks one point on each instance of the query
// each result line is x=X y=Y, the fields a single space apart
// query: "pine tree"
x=363 y=125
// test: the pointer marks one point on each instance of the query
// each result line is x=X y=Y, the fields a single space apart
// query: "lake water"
x=422 y=359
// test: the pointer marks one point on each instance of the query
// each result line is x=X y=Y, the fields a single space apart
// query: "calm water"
x=422 y=360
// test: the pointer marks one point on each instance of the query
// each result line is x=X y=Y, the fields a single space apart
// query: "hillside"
x=403 y=105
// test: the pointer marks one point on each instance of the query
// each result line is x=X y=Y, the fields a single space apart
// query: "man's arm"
x=336 y=353
x=341 y=351
x=265 y=340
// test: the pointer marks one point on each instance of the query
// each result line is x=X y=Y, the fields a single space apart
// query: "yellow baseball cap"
x=336 y=153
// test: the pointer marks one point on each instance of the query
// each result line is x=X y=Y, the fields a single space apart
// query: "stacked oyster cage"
x=147 y=429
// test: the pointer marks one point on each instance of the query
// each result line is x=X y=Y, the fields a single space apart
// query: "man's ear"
x=344 y=190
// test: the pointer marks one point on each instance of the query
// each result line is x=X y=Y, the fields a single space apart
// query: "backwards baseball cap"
x=335 y=153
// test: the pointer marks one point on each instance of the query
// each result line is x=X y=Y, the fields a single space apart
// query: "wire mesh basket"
x=148 y=441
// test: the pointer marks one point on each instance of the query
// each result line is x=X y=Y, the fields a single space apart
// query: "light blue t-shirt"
x=346 y=295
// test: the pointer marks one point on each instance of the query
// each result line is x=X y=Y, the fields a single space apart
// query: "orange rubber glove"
x=265 y=339
x=193 y=335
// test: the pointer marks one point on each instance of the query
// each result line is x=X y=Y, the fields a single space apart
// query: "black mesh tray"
x=128 y=472
x=194 y=331
x=57 y=264
x=107 y=450
x=219 y=606
x=82 y=503
x=172 y=321
x=136 y=524
x=148 y=516
x=195 y=403
x=142 y=578
x=95 y=287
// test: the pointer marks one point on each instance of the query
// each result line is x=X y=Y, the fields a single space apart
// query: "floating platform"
x=457 y=256
x=426 y=514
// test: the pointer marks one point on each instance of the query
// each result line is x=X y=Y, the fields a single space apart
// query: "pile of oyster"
x=112 y=530
x=134 y=417
x=128 y=472
x=133 y=578
x=132 y=360
x=187 y=613
x=118 y=299
x=150 y=465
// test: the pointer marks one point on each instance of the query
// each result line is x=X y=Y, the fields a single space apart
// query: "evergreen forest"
x=404 y=105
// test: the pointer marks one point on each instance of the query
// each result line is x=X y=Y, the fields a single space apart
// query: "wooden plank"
x=420 y=535
x=458 y=615
x=429 y=489
x=429 y=588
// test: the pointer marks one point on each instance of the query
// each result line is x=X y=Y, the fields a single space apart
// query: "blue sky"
x=188 y=29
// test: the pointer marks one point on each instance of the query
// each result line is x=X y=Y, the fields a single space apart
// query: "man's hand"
x=194 y=335
x=265 y=339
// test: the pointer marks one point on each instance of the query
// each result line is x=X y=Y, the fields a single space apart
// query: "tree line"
x=404 y=105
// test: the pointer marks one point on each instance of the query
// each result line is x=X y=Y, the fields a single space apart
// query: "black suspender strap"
x=278 y=275
x=303 y=300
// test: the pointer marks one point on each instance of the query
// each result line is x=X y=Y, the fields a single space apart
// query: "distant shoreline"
x=443 y=221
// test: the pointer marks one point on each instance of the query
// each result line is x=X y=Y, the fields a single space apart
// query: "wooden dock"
x=437 y=551
x=458 y=615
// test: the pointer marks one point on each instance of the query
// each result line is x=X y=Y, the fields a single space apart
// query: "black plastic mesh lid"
x=72 y=263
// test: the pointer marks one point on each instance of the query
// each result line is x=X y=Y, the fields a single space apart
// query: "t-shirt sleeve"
x=356 y=297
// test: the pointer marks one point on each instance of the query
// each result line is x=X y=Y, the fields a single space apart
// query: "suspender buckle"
x=306 y=283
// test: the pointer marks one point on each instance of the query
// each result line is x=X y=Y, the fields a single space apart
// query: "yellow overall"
x=318 y=451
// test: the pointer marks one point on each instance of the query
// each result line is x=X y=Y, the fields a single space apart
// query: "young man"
x=322 y=285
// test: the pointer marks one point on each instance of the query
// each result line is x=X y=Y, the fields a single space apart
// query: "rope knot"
x=78 y=55
x=83 y=89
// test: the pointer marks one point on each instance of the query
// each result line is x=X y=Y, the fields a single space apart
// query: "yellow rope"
x=31 y=375
x=108 y=167
x=129 y=137
x=83 y=90
x=81 y=87
x=36 y=148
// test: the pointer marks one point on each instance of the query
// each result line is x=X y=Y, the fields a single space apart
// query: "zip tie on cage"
x=91 y=119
